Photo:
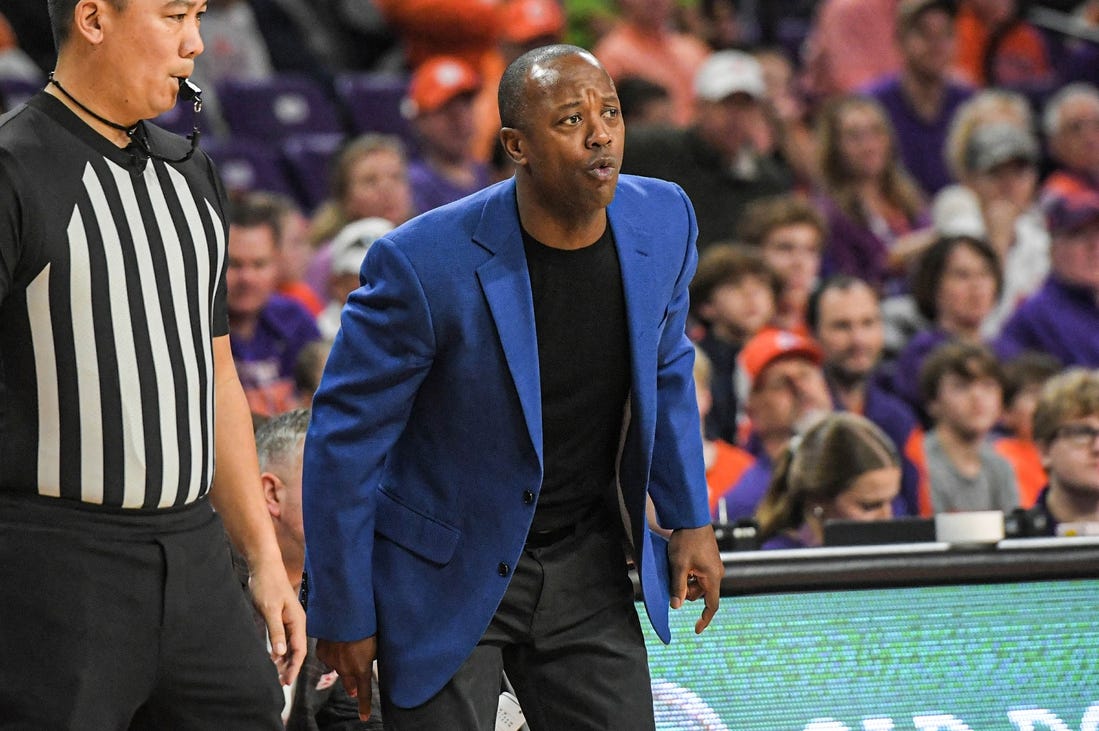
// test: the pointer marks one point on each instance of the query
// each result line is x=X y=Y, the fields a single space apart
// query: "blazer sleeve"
x=380 y=357
x=678 y=478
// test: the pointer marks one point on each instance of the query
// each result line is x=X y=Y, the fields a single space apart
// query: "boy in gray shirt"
x=961 y=386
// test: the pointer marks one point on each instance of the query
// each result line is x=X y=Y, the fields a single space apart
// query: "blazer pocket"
x=427 y=537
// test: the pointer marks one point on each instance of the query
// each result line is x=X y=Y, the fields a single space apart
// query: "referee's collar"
x=130 y=157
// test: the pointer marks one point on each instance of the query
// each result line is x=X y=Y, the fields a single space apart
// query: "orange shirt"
x=1026 y=460
x=669 y=59
x=730 y=462
x=1021 y=58
x=304 y=295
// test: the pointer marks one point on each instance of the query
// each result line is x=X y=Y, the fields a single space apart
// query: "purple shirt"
x=746 y=493
x=265 y=362
x=853 y=248
x=906 y=373
x=1059 y=319
x=920 y=143
x=431 y=190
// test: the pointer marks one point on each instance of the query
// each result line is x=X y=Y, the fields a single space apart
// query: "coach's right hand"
x=354 y=661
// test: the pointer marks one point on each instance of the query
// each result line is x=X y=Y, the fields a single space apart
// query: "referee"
x=122 y=421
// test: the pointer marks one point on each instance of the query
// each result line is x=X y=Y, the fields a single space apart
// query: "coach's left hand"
x=696 y=570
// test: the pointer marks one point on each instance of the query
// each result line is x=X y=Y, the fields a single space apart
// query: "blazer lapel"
x=637 y=262
x=505 y=281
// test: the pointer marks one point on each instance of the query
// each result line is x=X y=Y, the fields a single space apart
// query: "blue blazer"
x=427 y=428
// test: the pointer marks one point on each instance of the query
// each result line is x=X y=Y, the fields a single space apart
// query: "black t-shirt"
x=584 y=366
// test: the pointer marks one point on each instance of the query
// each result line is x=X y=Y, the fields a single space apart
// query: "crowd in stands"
x=896 y=306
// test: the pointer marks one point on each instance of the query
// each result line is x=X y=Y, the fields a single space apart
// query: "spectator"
x=955 y=286
x=522 y=25
x=1066 y=424
x=369 y=178
x=1071 y=125
x=788 y=115
x=725 y=462
x=644 y=103
x=1024 y=378
x=922 y=98
x=868 y=199
x=960 y=383
x=266 y=330
x=845 y=318
x=308 y=370
x=643 y=43
x=348 y=250
x=733 y=295
x=790 y=235
x=440 y=107
x=235 y=49
x=997 y=48
x=317 y=700
x=14 y=63
x=783 y=391
x=996 y=202
x=723 y=160
x=295 y=252
x=850 y=45
x=843 y=468
x=1062 y=318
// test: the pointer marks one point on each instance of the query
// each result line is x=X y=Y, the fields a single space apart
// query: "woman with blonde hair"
x=369 y=179
x=844 y=467
x=868 y=198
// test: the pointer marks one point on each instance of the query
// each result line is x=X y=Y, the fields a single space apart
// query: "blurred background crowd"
x=897 y=301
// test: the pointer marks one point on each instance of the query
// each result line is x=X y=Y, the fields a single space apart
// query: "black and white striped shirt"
x=112 y=285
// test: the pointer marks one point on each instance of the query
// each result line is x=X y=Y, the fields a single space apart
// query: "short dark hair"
x=61 y=17
x=1029 y=368
x=968 y=361
x=511 y=96
x=258 y=208
x=764 y=215
x=841 y=282
x=723 y=264
x=634 y=93
x=928 y=274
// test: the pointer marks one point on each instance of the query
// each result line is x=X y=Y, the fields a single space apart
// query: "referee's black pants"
x=112 y=621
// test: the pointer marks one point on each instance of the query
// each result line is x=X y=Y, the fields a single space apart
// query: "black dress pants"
x=113 y=621
x=568 y=636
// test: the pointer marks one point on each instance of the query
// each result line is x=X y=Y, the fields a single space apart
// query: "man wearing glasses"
x=1066 y=429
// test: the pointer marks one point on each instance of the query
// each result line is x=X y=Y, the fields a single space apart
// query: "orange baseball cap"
x=767 y=346
x=522 y=21
x=436 y=82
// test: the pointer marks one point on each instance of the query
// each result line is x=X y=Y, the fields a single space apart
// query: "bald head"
x=537 y=65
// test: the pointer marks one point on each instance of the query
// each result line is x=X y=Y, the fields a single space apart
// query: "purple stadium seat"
x=17 y=91
x=181 y=119
x=246 y=165
x=276 y=108
x=373 y=103
x=307 y=158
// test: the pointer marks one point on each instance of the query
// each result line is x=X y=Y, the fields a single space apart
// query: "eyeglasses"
x=1081 y=435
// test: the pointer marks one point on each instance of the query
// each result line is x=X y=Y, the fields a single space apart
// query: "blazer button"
x=528 y=497
x=503 y=569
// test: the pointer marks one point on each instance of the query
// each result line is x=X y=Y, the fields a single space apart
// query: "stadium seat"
x=246 y=165
x=16 y=91
x=307 y=159
x=276 y=108
x=373 y=103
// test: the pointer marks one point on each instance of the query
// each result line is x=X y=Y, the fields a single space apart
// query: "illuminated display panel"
x=972 y=657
